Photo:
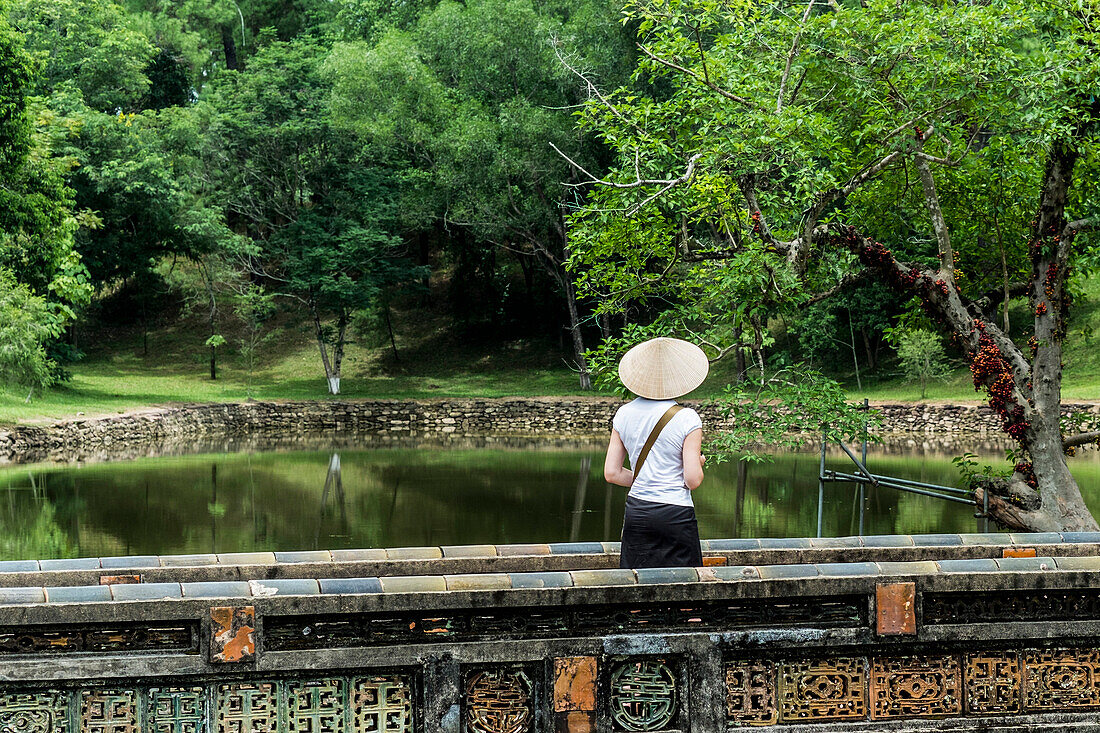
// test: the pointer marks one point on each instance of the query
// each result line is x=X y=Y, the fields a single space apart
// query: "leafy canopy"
x=751 y=128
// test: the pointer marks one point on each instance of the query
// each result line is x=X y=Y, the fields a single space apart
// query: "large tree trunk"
x=1042 y=494
x=230 y=48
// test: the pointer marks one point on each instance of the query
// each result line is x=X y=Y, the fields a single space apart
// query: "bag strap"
x=669 y=414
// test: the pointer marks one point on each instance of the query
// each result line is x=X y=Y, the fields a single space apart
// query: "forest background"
x=288 y=198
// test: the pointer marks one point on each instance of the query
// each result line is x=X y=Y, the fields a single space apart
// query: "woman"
x=659 y=528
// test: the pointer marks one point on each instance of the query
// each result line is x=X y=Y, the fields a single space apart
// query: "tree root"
x=1014 y=505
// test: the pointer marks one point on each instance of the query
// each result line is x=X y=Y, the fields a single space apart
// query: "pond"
x=402 y=496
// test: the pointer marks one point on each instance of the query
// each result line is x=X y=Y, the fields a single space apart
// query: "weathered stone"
x=232 y=631
x=896 y=609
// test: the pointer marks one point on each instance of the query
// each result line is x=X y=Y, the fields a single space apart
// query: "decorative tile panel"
x=233 y=634
x=750 y=693
x=896 y=609
x=643 y=695
x=315 y=706
x=823 y=689
x=177 y=710
x=1011 y=606
x=574 y=684
x=44 y=712
x=247 y=707
x=284 y=633
x=992 y=683
x=1061 y=679
x=915 y=687
x=499 y=701
x=382 y=704
x=108 y=711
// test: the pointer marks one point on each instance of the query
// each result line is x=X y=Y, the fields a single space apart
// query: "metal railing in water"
x=863 y=478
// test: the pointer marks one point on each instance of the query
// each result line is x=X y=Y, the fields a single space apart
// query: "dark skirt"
x=659 y=536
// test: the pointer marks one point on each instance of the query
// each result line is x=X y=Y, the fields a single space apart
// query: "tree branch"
x=760 y=225
x=813 y=214
x=705 y=82
x=939 y=224
x=1080 y=439
x=850 y=279
x=639 y=181
x=1081 y=225
x=790 y=59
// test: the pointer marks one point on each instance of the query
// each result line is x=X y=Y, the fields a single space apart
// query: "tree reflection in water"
x=404 y=496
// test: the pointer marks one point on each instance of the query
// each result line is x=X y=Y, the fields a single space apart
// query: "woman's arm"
x=613 y=471
x=693 y=459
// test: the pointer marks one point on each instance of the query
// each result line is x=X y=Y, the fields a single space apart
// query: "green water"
x=391 y=497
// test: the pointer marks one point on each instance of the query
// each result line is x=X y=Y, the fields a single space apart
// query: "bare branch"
x=1075 y=441
x=790 y=58
x=666 y=182
x=939 y=223
x=705 y=82
x=811 y=215
x=933 y=159
x=592 y=88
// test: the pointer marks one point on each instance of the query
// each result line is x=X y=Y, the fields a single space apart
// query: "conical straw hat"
x=663 y=368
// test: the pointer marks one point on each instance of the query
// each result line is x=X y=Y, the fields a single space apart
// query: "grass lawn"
x=123 y=375
x=1081 y=380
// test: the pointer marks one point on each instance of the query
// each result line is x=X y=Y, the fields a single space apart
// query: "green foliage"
x=782 y=411
x=42 y=280
x=141 y=177
x=972 y=472
x=922 y=356
x=468 y=127
x=752 y=131
x=89 y=45
x=24 y=329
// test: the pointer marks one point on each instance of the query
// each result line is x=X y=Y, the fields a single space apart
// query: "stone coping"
x=578 y=549
x=608 y=577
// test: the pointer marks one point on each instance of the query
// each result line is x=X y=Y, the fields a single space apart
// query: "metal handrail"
x=865 y=477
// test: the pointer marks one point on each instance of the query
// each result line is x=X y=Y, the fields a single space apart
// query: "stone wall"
x=180 y=429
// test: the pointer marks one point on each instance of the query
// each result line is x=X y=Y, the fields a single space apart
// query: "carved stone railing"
x=981 y=637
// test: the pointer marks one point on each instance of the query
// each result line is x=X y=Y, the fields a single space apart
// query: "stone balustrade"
x=928 y=632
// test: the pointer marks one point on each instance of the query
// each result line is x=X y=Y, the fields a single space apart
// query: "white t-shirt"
x=662 y=477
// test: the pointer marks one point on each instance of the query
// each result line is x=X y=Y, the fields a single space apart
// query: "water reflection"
x=399 y=496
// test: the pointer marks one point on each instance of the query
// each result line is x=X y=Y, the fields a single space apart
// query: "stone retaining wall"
x=293 y=422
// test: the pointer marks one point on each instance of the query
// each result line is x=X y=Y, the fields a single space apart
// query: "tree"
x=42 y=280
x=317 y=214
x=809 y=140
x=253 y=306
x=470 y=124
x=922 y=357
x=24 y=329
x=88 y=45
